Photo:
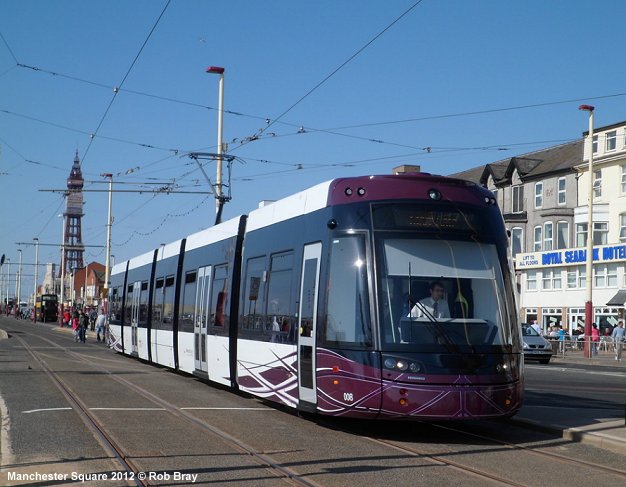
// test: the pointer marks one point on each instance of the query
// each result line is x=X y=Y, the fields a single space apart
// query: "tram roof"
x=332 y=192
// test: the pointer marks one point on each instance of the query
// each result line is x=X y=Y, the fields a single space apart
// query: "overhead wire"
x=91 y=135
x=480 y=112
x=9 y=48
x=116 y=90
x=277 y=120
x=338 y=68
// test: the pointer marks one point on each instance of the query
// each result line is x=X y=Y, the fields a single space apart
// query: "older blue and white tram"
x=305 y=301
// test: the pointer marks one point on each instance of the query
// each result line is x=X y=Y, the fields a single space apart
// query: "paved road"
x=167 y=423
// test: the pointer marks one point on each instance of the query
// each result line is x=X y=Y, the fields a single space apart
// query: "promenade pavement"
x=587 y=426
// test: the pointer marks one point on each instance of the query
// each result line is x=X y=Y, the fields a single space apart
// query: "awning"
x=619 y=299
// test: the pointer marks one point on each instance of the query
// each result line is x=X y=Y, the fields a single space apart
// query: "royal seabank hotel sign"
x=552 y=258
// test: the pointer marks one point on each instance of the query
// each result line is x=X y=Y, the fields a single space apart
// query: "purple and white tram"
x=306 y=302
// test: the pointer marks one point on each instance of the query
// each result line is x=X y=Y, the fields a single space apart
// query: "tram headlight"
x=414 y=367
x=502 y=368
x=401 y=365
x=390 y=363
x=434 y=194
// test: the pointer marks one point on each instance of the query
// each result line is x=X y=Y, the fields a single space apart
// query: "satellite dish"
x=2 y=260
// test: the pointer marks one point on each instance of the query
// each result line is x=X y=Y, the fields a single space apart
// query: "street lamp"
x=8 y=261
x=19 y=279
x=220 y=134
x=589 y=318
x=62 y=290
x=36 y=274
x=107 y=272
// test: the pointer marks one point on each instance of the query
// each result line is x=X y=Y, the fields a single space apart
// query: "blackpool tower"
x=73 y=241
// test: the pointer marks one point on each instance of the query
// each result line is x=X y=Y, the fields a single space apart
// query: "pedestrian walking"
x=100 y=323
x=618 y=336
x=66 y=317
x=75 y=325
x=93 y=315
x=561 y=334
x=595 y=339
x=82 y=326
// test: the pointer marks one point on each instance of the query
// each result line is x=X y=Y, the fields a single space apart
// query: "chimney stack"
x=406 y=169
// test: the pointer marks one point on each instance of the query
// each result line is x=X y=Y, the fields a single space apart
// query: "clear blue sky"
x=445 y=57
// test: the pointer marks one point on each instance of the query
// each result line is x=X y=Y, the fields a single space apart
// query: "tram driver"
x=434 y=305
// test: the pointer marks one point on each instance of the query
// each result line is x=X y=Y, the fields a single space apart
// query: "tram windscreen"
x=441 y=295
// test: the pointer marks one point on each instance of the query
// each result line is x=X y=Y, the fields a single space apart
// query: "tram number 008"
x=348 y=396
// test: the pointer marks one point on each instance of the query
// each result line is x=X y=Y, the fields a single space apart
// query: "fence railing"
x=568 y=344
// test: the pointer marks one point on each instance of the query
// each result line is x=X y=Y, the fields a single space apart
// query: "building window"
x=562 y=235
x=622 y=227
x=547 y=236
x=538 y=195
x=623 y=179
x=597 y=183
x=517 y=235
x=517 y=199
x=581 y=234
x=595 y=144
x=572 y=278
x=576 y=277
x=531 y=280
x=538 y=238
x=561 y=191
x=605 y=276
x=600 y=233
x=611 y=140
x=551 y=279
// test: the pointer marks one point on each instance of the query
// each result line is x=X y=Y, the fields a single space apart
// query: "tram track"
x=446 y=461
x=439 y=458
x=542 y=453
x=278 y=470
x=442 y=457
x=92 y=423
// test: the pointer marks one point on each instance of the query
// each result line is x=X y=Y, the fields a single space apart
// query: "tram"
x=310 y=302
x=46 y=307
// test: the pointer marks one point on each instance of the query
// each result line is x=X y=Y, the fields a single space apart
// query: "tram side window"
x=129 y=305
x=348 y=318
x=115 y=313
x=143 y=304
x=185 y=322
x=219 y=297
x=168 y=303
x=254 y=293
x=280 y=322
x=157 y=305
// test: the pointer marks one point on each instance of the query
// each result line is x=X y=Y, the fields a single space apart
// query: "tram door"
x=201 y=318
x=307 y=322
x=134 y=316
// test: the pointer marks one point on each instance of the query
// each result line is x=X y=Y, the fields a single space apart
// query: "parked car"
x=536 y=347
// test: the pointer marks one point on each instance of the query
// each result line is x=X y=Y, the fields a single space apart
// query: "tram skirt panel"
x=349 y=387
